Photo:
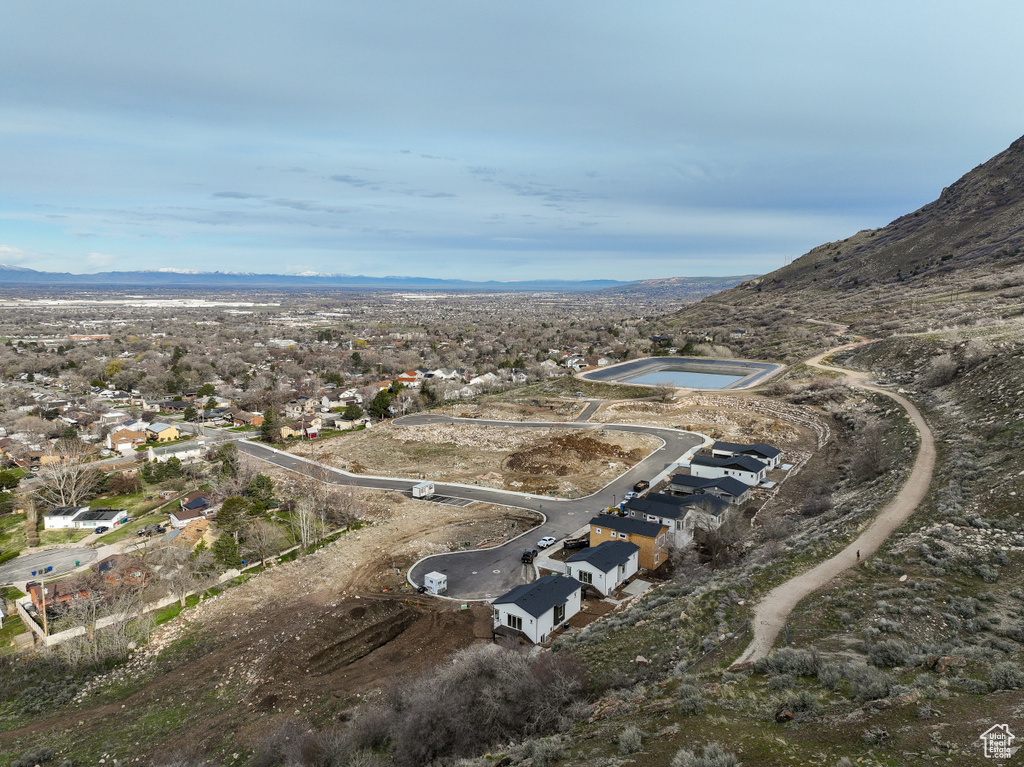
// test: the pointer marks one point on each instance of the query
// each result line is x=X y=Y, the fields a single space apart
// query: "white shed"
x=436 y=583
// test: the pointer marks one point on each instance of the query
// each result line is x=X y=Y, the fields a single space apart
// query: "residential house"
x=747 y=470
x=245 y=418
x=180 y=518
x=681 y=515
x=298 y=407
x=56 y=595
x=197 y=501
x=727 y=488
x=125 y=440
x=536 y=609
x=411 y=379
x=763 y=452
x=62 y=517
x=192 y=450
x=162 y=432
x=606 y=566
x=91 y=518
x=650 y=537
x=122 y=570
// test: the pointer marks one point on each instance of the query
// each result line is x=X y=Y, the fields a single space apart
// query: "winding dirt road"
x=771 y=612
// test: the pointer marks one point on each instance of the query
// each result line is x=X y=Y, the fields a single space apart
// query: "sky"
x=487 y=140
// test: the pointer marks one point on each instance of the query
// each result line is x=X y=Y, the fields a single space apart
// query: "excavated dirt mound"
x=566 y=455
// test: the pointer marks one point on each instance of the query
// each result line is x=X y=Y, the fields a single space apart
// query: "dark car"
x=101 y=529
x=528 y=556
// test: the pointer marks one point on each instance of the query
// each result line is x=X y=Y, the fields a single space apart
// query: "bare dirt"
x=532 y=460
x=305 y=639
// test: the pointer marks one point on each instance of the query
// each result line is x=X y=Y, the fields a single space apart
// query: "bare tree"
x=67 y=477
x=182 y=573
x=263 y=538
x=306 y=523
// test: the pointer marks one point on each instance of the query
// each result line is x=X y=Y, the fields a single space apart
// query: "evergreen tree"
x=381 y=405
x=232 y=514
x=270 y=431
x=225 y=552
x=353 y=412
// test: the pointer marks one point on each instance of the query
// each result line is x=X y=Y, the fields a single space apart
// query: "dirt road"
x=771 y=613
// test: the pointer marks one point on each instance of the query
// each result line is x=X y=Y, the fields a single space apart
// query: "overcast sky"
x=487 y=140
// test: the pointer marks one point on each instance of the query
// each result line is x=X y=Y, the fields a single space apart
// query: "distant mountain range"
x=684 y=287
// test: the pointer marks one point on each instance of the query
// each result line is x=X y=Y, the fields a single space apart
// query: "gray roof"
x=65 y=511
x=742 y=462
x=681 y=505
x=606 y=556
x=99 y=515
x=729 y=485
x=540 y=596
x=628 y=525
x=755 y=449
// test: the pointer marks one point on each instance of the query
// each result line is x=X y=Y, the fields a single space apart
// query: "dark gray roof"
x=540 y=596
x=628 y=525
x=98 y=515
x=681 y=505
x=729 y=485
x=743 y=462
x=607 y=555
x=64 y=511
x=757 y=448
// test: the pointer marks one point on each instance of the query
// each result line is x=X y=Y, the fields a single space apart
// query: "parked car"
x=528 y=556
x=631 y=496
x=101 y=529
x=546 y=541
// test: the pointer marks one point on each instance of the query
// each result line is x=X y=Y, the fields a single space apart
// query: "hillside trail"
x=772 y=611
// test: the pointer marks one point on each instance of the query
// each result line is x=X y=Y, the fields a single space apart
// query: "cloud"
x=100 y=259
x=238 y=195
x=352 y=180
x=9 y=254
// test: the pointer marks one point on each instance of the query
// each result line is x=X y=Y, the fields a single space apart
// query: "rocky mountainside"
x=958 y=259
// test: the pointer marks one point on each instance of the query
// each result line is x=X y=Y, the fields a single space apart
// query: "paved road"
x=771 y=612
x=477 y=574
x=62 y=560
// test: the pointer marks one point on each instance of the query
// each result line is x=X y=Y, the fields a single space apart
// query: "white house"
x=181 y=517
x=79 y=517
x=535 y=609
x=747 y=470
x=680 y=515
x=62 y=517
x=761 y=451
x=606 y=566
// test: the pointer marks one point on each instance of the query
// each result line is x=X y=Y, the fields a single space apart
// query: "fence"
x=51 y=640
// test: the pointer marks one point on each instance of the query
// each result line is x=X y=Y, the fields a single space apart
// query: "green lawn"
x=12 y=533
x=62 y=536
x=12 y=627
x=134 y=503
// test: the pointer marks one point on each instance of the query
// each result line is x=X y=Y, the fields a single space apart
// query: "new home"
x=762 y=451
x=747 y=470
x=606 y=566
x=650 y=537
x=536 y=609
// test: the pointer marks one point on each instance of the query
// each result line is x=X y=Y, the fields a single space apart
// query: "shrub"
x=33 y=757
x=1006 y=676
x=889 y=653
x=831 y=674
x=690 y=700
x=803 y=703
x=713 y=755
x=789 y=661
x=544 y=751
x=630 y=740
x=868 y=683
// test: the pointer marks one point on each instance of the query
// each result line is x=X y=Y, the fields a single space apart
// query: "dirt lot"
x=531 y=460
x=731 y=418
x=532 y=409
x=303 y=640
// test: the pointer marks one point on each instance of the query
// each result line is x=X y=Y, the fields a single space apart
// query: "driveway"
x=484 y=573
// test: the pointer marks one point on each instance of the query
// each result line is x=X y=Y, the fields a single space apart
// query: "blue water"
x=687 y=379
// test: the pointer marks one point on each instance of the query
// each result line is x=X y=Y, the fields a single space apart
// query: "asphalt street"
x=490 y=572
x=62 y=561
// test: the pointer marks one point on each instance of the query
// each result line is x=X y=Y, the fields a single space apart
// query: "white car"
x=546 y=541
x=630 y=496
